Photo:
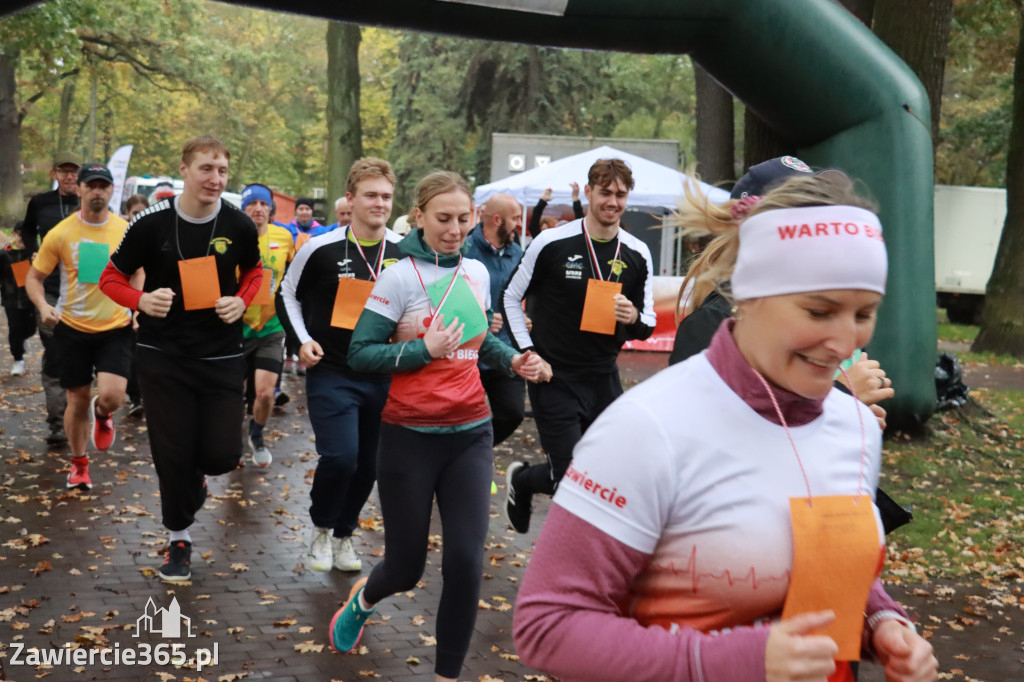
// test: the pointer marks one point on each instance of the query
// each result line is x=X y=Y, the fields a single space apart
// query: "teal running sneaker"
x=347 y=624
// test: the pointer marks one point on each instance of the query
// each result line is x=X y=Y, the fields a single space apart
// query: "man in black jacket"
x=44 y=211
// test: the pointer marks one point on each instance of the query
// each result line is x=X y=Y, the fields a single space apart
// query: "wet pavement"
x=79 y=568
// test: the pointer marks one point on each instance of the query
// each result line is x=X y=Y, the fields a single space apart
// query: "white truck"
x=968 y=224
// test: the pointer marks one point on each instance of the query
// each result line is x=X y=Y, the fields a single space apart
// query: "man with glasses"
x=44 y=211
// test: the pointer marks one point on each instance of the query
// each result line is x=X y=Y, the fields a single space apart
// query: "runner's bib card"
x=461 y=302
x=92 y=259
x=263 y=296
x=20 y=270
x=200 y=286
x=599 y=307
x=349 y=301
x=837 y=555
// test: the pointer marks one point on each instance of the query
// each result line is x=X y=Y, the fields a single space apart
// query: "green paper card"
x=92 y=259
x=461 y=303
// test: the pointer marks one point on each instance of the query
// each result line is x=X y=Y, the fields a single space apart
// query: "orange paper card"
x=599 y=307
x=20 y=270
x=200 y=287
x=262 y=296
x=350 y=301
x=836 y=557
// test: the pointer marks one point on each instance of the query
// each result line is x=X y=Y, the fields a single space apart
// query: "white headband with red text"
x=812 y=248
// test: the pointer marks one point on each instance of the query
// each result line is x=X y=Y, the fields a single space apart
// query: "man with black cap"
x=91 y=332
x=696 y=329
x=44 y=211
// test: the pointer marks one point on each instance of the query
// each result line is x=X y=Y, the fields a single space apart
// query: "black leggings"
x=193 y=415
x=413 y=467
x=21 y=324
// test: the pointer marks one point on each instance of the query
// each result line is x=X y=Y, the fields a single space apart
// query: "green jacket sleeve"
x=371 y=350
x=497 y=353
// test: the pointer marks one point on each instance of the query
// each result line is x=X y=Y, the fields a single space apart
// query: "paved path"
x=79 y=567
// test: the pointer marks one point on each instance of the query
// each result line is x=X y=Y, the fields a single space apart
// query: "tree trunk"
x=344 y=128
x=716 y=146
x=93 y=105
x=1002 y=323
x=862 y=9
x=11 y=200
x=918 y=31
x=67 y=97
x=760 y=142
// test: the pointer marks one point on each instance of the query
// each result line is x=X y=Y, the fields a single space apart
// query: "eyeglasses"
x=65 y=173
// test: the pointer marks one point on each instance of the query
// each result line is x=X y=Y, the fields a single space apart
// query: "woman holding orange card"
x=744 y=527
x=426 y=324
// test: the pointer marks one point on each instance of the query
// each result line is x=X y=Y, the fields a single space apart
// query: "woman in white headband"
x=704 y=295
x=717 y=521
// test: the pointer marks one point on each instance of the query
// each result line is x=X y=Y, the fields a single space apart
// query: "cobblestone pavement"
x=80 y=567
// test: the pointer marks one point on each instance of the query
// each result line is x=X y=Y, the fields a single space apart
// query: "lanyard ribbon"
x=374 y=272
x=447 y=291
x=593 y=254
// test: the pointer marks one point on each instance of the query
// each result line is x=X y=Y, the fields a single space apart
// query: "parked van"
x=147 y=185
x=968 y=225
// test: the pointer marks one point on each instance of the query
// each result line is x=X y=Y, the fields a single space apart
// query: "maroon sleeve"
x=569 y=619
x=249 y=284
x=116 y=286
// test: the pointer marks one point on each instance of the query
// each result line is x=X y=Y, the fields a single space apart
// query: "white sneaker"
x=260 y=454
x=18 y=368
x=345 y=558
x=321 y=555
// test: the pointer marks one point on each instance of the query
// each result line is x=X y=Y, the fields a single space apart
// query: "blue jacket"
x=499 y=263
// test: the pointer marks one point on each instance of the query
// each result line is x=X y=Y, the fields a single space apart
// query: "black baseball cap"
x=94 y=171
x=762 y=177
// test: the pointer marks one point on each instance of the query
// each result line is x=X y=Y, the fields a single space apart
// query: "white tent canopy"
x=655 y=185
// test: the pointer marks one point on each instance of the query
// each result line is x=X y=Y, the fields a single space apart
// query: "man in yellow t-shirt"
x=263 y=335
x=92 y=332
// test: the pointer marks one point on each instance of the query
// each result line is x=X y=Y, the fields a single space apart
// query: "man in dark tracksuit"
x=203 y=268
x=44 y=211
x=557 y=271
x=492 y=242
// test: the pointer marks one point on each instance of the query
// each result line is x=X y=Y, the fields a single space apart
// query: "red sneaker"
x=79 y=476
x=103 y=433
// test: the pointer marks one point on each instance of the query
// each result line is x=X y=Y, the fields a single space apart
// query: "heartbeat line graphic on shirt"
x=696 y=576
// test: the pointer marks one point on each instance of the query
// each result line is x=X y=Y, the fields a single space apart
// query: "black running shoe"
x=517 y=502
x=178 y=564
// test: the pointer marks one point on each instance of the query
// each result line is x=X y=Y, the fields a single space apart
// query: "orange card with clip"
x=200 y=287
x=599 y=307
x=20 y=270
x=350 y=301
x=837 y=554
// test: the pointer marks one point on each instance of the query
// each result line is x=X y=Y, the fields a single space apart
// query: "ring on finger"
x=881 y=382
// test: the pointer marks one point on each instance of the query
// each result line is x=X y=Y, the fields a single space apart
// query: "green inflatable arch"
x=807 y=67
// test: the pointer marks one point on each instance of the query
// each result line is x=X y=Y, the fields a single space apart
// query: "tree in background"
x=450 y=94
x=1002 y=323
x=344 y=127
x=716 y=149
x=977 y=95
x=918 y=31
x=38 y=51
